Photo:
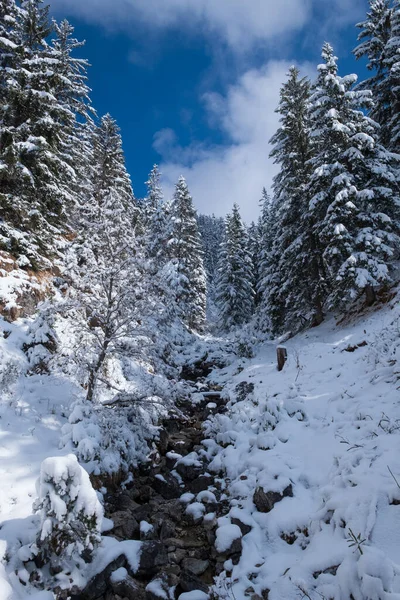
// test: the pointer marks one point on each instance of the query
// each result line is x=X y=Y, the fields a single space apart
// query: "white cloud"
x=218 y=176
x=240 y=23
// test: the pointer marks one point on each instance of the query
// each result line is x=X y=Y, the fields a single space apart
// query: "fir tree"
x=235 y=293
x=351 y=192
x=187 y=256
x=376 y=44
x=268 y=279
x=393 y=64
x=211 y=229
x=154 y=195
x=254 y=248
x=37 y=163
x=110 y=174
x=286 y=302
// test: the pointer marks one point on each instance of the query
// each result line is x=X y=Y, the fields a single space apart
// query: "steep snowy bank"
x=316 y=449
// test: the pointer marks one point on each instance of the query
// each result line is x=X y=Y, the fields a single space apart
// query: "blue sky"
x=193 y=84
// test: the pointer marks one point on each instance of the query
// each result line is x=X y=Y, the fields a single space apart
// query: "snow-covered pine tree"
x=154 y=196
x=73 y=93
x=393 y=65
x=284 y=287
x=212 y=231
x=109 y=173
x=187 y=256
x=235 y=293
x=37 y=171
x=352 y=191
x=267 y=263
x=377 y=45
x=254 y=247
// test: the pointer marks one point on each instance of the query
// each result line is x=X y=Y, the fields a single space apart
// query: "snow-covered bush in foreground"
x=71 y=518
x=111 y=438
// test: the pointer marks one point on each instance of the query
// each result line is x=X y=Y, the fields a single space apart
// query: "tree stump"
x=281 y=355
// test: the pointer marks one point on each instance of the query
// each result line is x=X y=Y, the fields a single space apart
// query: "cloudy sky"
x=193 y=84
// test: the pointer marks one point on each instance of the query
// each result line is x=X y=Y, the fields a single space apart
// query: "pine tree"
x=235 y=293
x=351 y=192
x=154 y=195
x=36 y=161
x=393 y=64
x=378 y=46
x=110 y=173
x=268 y=276
x=286 y=302
x=254 y=248
x=211 y=230
x=187 y=256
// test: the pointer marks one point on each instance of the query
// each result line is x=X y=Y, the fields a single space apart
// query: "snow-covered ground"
x=32 y=412
x=328 y=425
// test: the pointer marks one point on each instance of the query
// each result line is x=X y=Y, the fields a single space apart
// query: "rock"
x=180 y=443
x=128 y=588
x=188 y=582
x=176 y=556
x=125 y=502
x=265 y=501
x=126 y=526
x=200 y=484
x=172 y=425
x=97 y=587
x=195 y=565
x=242 y=526
x=167 y=487
x=143 y=513
x=160 y=586
x=189 y=471
x=153 y=557
x=185 y=543
x=167 y=529
x=163 y=442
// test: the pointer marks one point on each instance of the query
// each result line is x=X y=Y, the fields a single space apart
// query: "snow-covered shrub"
x=109 y=439
x=71 y=518
x=42 y=339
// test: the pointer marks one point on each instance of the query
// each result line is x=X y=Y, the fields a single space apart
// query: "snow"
x=194 y=595
x=155 y=587
x=186 y=497
x=146 y=527
x=196 y=510
x=119 y=575
x=226 y=535
x=327 y=424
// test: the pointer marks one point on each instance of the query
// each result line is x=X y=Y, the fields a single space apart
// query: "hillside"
x=323 y=432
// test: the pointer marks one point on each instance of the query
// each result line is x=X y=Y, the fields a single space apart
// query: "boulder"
x=188 y=582
x=126 y=526
x=242 y=526
x=265 y=501
x=200 y=484
x=167 y=487
x=195 y=565
x=152 y=558
x=128 y=588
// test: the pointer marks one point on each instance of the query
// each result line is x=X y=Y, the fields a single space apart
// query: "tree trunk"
x=370 y=295
x=94 y=372
x=281 y=355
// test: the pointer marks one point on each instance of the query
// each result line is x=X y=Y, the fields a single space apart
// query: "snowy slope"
x=329 y=426
x=32 y=412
